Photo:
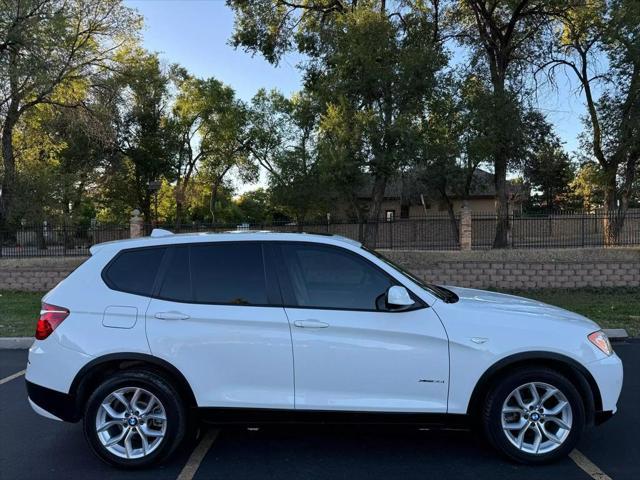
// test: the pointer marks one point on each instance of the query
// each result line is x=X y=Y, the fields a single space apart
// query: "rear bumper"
x=51 y=403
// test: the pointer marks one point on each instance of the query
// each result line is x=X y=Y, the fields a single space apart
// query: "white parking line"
x=588 y=466
x=192 y=465
x=11 y=377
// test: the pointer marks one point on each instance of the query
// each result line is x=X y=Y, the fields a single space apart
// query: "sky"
x=195 y=34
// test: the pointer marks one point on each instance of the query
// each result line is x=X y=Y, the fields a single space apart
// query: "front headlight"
x=600 y=340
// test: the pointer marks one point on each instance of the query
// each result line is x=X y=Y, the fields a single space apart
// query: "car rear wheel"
x=134 y=419
x=534 y=415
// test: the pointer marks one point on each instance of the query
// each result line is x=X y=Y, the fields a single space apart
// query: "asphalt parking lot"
x=32 y=447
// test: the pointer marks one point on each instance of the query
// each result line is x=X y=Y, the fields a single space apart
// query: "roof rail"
x=160 y=232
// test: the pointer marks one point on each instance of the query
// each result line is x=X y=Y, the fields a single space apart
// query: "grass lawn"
x=610 y=307
x=19 y=313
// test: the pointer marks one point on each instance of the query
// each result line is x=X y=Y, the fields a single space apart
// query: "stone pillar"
x=465 y=228
x=136 y=225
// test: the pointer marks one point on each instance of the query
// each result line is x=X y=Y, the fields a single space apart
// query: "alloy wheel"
x=536 y=418
x=131 y=422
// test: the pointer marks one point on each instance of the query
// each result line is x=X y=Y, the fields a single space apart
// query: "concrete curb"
x=616 y=333
x=15 y=343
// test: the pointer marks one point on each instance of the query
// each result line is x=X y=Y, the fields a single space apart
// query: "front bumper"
x=51 y=403
x=608 y=375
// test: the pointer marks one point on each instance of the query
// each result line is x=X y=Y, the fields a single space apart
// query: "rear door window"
x=134 y=271
x=176 y=284
x=228 y=273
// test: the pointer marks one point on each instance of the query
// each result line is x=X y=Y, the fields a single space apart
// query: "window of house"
x=389 y=215
x=404 y=211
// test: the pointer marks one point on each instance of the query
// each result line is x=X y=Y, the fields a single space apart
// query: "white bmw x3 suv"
x=258 y=326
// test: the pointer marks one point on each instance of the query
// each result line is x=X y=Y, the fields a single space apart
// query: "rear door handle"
x=311 y=323
x=171 y=316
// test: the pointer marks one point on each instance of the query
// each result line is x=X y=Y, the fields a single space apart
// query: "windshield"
x=442 y=293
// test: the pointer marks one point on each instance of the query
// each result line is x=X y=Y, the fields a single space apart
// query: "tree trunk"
x=617 y=213
x=300 y=216
x=359 y=217
x=179 y=196
x=501 y=239
x=179 y=214
x=377 y=196
x=452 y=217
x=212 y=201
x=145 y=207
x=9 y=174
x=500 y=160
x=611 y=221
x=40 y=236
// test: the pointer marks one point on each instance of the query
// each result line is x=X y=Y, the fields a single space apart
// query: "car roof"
x=165 y=237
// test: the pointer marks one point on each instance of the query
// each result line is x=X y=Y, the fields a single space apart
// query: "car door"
x=350 y=352
x=213 y=317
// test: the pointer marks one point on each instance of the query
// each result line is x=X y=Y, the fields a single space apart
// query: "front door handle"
x=311 y=323
x=171 y=316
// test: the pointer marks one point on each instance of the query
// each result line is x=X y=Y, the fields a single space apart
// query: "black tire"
x=176 y=416
x=492 y=413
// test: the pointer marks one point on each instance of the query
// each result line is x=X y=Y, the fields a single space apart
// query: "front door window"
x=332 y=278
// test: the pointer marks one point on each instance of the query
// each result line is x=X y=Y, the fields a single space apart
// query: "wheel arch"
x=574 y=371
x=95 y=371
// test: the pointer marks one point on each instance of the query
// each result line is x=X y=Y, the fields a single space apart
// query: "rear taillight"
x=50 y=317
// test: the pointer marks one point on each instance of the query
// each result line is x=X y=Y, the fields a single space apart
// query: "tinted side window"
x=231 y=273
x=326 y=277
x=134 y=271
x=176 y=284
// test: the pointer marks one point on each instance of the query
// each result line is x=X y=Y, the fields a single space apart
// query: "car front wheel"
x=134 y=419
x=534 y=415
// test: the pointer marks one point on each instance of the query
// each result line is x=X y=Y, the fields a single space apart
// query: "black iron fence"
x=557 y=230
x=57 y=240
x=433 y=232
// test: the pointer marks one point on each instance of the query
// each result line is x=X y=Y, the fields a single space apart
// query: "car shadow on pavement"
x=328 y=452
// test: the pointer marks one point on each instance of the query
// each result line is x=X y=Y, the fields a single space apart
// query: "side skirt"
x=259 y=416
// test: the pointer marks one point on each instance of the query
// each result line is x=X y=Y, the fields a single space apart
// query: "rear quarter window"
x=134 y=271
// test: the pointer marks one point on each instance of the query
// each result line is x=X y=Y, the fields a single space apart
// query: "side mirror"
x=399 y=297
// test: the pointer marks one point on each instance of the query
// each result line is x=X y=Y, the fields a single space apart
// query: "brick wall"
x=35 y=274
x=525 y=269
x=502 y=269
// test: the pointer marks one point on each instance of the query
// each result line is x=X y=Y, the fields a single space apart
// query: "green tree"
x=587 y=186
x=210 y=127
x=46 y=45
x=547 y=167
x=58 y=155
x=143 y=135
x=257 y=207
x=591 y=34
x=283 y=142
x=504 y=37
x=342 y=155
x=369 y=63
x=440 y=146
x=457 y=135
